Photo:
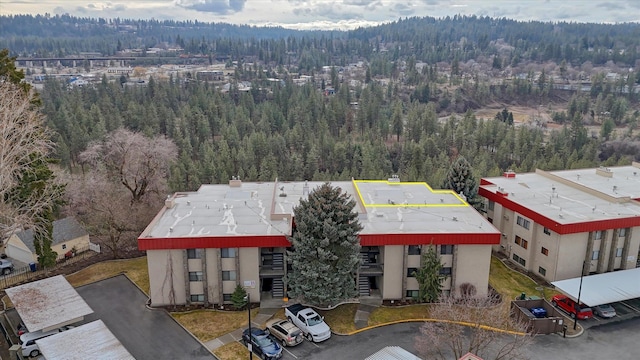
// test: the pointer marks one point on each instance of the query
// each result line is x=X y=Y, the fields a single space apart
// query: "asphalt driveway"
x=147 y=334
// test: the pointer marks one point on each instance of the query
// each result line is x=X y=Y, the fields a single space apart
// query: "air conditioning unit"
x=506 y=217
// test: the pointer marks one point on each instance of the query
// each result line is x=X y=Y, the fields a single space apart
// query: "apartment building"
x=557 y=223
x=202 y=244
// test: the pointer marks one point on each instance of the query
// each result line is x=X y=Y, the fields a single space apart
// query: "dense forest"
x=459 y=38
x=302 y=134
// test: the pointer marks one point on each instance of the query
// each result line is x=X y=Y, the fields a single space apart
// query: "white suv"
x=28 y=340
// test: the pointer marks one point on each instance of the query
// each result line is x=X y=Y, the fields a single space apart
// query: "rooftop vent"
x=235 y=181
x=509 y=174
x=394 y=178
x=604 y=171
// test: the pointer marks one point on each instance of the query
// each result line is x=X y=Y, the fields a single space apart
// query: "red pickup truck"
x=570 y=306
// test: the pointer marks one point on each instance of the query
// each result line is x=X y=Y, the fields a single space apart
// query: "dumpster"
x=32 y=266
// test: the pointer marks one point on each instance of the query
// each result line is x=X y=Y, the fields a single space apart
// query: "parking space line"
x=314 y=344
x=629 y=306
x=289 y=352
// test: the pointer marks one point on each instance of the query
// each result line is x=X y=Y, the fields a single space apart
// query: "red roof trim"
x=426 y=239
x=281 y=241
x=555 y=226
x=212 y=242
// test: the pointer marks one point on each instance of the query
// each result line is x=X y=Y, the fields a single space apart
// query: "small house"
x=67 y=235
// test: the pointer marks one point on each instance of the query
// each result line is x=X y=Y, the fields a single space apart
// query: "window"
x=519 y=260
x=412 y=293
x=228 y=252
x=411 y=272
x=446 y=249
x=545 y=251
x=522 y=242
x=542 y=271
x=64 y=246
x=491 y=205
x=619 y=252
x=490 y=220
x=226 y=297
x=228 y=276
x=446 y=271
x=194 y=253
x=197 y=298
x=547 y=231
x=598 y=235
x=195 y=276
x=595 y=254
x=622 y=232
x=523 y=222
x=414 y=249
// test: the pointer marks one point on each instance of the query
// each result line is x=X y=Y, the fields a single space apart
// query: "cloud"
x=403 y=9
x=222 y=7
x=610 y=6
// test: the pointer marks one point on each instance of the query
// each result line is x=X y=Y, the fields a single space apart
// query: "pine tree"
x=428 y=277
x=460 y=179
x=239 y=297
x=326 y=247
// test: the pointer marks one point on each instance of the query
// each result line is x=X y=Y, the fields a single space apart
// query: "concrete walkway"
x=365 y=308
x=236 y=335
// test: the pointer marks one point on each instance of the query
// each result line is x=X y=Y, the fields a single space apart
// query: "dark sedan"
x=262 y=344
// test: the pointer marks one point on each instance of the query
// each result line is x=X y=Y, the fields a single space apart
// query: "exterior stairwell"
x=277 y=288
x=364 y=288
x=278 y=261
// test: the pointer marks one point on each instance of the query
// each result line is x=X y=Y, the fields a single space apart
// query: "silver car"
x=604 y=310
x=285 y=331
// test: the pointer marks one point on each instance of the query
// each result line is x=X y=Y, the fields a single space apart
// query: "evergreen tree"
x=429 y=277
x=239 y=297
x=461 y=180
x=326 y=247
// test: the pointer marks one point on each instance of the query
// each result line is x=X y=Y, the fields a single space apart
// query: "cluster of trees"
x=30 y=196
x=297 y=133
x=452 y=40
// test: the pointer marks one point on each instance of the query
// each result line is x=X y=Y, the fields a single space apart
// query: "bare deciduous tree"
x=139 y=163
x=23 y=143
x=106 y=209
x=451 y=339
x=123 y=188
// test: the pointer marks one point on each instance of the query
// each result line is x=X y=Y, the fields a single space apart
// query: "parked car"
x=309 y=321
x=285 y=331
x=6 y=266
x=28 y=340
x=604 y=310
x=570 y=306
x=262 y=344
x=539 y=312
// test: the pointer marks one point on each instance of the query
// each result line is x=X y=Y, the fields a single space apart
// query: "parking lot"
x=608 y=341
x=625 y=310
x=147 y=334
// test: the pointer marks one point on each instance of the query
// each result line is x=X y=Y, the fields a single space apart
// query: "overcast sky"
x=327 y=14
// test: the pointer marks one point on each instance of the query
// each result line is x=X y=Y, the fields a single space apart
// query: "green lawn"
x=510 y=283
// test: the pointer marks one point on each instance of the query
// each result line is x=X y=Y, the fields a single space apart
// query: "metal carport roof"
x=603 y=288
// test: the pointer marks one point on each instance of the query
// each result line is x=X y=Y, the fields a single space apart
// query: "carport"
x=89 y=341
x=48 y=304
x=604 y=288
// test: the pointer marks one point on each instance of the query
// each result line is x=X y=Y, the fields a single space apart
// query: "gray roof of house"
x=63 y=230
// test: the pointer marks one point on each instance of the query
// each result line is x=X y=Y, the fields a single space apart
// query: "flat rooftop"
x=89 y=341
x=48 y=304
x=254 y=209
x=573 y=196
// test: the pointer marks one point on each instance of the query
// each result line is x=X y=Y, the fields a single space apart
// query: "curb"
x=432 y=320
